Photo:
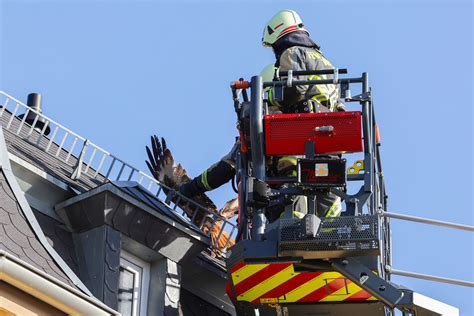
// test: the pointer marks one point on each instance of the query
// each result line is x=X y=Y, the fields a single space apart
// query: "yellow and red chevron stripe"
x=279 y=283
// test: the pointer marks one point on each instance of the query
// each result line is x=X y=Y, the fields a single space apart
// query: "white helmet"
x=268 y=73
x=284 y=22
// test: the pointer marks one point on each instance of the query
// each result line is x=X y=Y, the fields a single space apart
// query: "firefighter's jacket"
x=306 y=58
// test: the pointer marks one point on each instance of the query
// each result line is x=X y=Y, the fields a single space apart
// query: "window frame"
x=141 y=270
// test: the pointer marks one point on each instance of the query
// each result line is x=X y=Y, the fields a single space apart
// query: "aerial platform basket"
x=345 y=236
x=302 y=266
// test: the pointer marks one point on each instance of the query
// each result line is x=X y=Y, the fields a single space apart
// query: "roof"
x=26 y=148
x=17 y=236
x=20 y=233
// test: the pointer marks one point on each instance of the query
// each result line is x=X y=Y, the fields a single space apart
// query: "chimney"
x=34 y=102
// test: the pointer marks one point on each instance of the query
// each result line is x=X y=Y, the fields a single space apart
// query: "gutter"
x=46 y=288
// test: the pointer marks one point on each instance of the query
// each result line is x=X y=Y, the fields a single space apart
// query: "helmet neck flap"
x=297 y=38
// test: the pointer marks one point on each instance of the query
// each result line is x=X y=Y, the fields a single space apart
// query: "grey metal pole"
x=390 y=270
x=428 y=221
x=258 y=156
x=375 y=180
x=367 y=128
x=256 y=128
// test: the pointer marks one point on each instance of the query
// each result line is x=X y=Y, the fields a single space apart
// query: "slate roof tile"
x=35 y=244
x=154 y=236
x=18 y=238
x=8 y=202
x=37 y=258
x=139 y=226
x=4 y=218
x=123 y=216
x=20 y=223
x=59 y=238
x=9 y=244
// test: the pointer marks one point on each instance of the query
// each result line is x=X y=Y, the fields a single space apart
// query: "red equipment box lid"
x=286 y=134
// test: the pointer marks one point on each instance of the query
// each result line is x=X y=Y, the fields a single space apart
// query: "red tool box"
x=331 y=132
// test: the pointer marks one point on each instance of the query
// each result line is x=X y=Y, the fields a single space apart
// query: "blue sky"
x=118 y=71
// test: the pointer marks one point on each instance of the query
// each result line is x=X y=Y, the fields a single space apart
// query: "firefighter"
x=295 y=50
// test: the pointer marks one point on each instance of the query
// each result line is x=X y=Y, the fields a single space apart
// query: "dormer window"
x=134 y=282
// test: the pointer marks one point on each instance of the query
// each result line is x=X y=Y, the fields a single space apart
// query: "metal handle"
x=324 y=129
x=240 y=84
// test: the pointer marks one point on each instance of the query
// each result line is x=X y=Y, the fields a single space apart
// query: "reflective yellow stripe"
x=326 y=62
x=319 y=97
x=295 y=214
x=326 y=92
x=309 y=287
x=334 y=211
x=270 y=98
x=246 y=271
x=204 y=181
x=335 y=208
x=327 y=230
x=298 y=214
x=313 y=55
x=267 y=284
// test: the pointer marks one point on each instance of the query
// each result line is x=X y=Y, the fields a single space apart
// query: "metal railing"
x=389 y=269
x=87 y=159
x=428 y=221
